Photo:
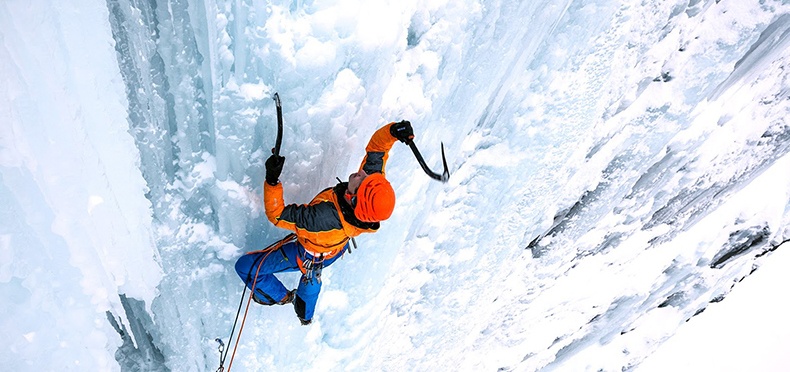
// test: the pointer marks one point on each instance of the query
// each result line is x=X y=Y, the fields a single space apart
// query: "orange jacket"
x=327 y=223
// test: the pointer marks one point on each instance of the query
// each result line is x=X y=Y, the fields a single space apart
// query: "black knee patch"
x=299 y=307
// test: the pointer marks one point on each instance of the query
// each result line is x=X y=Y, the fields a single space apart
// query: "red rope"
x=247 y=309
x=268 y=251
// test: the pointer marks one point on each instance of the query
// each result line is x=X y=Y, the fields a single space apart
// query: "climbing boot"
x=289 y=297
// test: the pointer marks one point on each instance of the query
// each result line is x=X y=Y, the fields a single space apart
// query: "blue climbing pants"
x=269 y=290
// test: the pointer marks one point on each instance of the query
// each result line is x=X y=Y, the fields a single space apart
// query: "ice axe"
x=439 y=177
x=279 y=141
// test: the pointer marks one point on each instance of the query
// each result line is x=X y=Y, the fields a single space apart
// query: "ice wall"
x=75 y=226
x=615 y=169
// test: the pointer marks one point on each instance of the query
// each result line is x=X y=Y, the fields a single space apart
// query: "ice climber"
x=321 y=229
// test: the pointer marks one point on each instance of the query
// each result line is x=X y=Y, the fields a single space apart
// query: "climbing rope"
x=219 y=340
x=268 y=250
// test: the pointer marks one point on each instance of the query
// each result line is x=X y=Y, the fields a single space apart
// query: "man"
x=321 y=229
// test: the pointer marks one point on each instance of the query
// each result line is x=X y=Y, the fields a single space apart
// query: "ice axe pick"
x=439 y=177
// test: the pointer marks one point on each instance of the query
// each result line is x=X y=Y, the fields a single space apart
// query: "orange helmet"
x=375 y=199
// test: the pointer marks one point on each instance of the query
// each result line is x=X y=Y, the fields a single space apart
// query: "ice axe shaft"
x=439 y=177
x=279 y=140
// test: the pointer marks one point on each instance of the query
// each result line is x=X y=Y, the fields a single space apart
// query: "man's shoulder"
x=326 y=195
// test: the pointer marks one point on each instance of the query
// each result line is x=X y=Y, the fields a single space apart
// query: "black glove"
x=402 y=131
x=274 y=166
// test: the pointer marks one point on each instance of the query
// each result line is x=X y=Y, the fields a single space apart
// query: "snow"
x=746 y=332
x=616 y=169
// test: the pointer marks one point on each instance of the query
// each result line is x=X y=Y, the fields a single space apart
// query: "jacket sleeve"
x=377 y=150
x=274 y=205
